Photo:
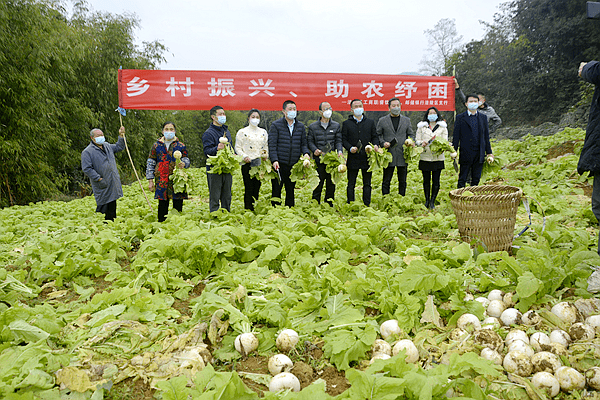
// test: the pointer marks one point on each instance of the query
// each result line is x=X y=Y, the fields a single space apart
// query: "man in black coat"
x=590 y=153
x=287 y=142
x=324 y=135
x=357 y=132
x=471 y=139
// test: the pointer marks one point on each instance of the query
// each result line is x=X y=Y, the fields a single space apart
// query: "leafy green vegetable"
x=335 y=165
x=439 y=146
x=379 y=159
x=225 y=162
x=305 y=170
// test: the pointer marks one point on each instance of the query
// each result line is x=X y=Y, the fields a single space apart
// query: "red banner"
x=236 y=90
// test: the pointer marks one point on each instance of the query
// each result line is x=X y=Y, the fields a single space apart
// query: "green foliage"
x=305 y=170
x=379 y=159
x=332 y=161
x=225 y=162
x=58 y=80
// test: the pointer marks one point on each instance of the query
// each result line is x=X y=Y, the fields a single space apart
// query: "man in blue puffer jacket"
x=287 y=142
x=590 y=153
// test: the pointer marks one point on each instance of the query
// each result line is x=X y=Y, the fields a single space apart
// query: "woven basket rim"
x=505 y=192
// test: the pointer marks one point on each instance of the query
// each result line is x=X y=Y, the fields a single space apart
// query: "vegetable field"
x=136 y=309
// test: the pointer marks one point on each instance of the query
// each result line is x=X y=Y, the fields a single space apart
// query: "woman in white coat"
x=251 y=143
x=431 y=164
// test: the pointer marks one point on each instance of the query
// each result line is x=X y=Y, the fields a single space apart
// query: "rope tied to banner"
x=122 y=112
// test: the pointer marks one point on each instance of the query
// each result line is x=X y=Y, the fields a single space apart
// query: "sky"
x=337 y=36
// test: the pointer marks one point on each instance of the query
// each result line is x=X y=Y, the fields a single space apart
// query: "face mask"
x=254 y=121
x=395 y=110
x=291 y=114
x=358 y=111
x=327 y=113
x=432 y=117
x=99 y=139
x=472 y=106
x=169 y=135
x=222 y=119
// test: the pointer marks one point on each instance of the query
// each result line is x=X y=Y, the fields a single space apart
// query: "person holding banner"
x=251 y=143
x=98 y=163
x=219 y=185
x=159 y=167
x=358 y=132
x=287 y=142
x=430 y=164
x=324 y=135
x=393 y=130
x=471 y=138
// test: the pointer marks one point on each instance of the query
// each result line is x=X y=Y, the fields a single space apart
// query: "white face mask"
x=358 y=111
x=254 y=121
x=327 y=113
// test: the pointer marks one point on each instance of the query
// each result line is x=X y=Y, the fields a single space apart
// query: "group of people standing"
x=288 y=140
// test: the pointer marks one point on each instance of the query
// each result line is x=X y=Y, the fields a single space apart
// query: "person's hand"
x=581 y=67
x=247 y=159
x=181 y=165
x=220 y=146
x=318 y=152
x=340 y=153
x=122 y=131
x=150 y=184
x=307 y=155
x=423 y=143
x=353 y=150
x=490 y=158
x=455 y=83
x=276 y=165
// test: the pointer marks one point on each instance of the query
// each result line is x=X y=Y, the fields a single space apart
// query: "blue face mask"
x=169 y=135
x=99 y=139
x=358 y=111
x=472 y=106
x=432 y=117
x=222 y=119
x=291 y=114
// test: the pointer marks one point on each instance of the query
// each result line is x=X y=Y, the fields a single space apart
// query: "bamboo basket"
x=489 y=215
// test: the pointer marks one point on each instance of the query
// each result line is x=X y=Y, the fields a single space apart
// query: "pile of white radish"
x=535 y=356
x=280 y=365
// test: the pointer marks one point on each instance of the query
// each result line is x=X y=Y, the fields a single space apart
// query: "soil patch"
x=558 y=150
x=336 y=381
x=130 y=389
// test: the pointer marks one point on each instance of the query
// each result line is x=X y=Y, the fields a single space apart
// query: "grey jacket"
x=385 y=131
x=97 y=164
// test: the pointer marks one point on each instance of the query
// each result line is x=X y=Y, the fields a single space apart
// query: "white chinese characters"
x=337 y=89
x=261 y=86
x=221 y=87
x=372 y=88
x=185 y=85
x=137 y=86
x=437 y=90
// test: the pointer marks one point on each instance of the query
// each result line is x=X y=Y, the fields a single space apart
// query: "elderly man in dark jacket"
x=590 y=153
x=471 y=138
x=98 y=163
x=394 y=128
x=324 y=135
x=357 y=132
x=287 y=142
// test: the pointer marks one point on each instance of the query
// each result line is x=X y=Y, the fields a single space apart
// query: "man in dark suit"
x=394 y=126
x=358 y=132
x=472 y=139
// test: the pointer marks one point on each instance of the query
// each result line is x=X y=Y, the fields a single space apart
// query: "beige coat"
x=424 y=134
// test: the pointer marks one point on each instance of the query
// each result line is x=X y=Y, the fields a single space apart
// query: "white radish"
x=569 y=379
x=283 y=381
x=592 y=377
x=491 y=355
x=280 y=363
x=495 y=308
x=521 y=346
x=567 y=312
x=517 y=363
x=287 y=340
x=539 y=339
x=516 y=334
x=561 y=337
x=382 y=347
x=468 y=322
x=545 y=361
x=495 y=294
x=530 y=318
x=223 y=140
x=584 y=332
x=510 y=316
x=379 y=356
x=246 y=343
x=389 y=328
x=412 y=354
x=546 y=382
x=490 y=323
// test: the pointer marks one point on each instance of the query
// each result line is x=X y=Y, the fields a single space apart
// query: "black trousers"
x=163 y=208
x=388 y=174
x=109 y=210
x=251 y=188
x=276 y=186
x=475 y=167
x=324 y=179
x=366 y=176
x=431 y=189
